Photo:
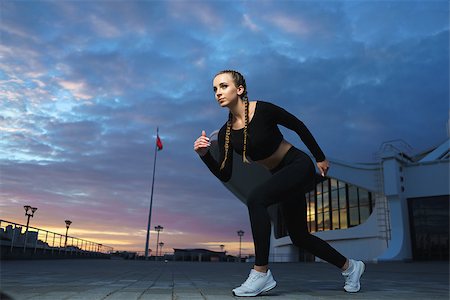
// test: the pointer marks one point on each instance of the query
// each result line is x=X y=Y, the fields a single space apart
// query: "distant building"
x=15 y=235
x=199 y=255
x=395 y=209
x=11 y=233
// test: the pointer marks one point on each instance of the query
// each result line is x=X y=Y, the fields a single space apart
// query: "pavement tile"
x=79 y=279
x=156 y=296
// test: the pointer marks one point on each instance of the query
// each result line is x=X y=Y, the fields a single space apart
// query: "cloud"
x=399 y=20
x=249 y=23
x=208 y=14
x=290 y=24
x=84 y=86
x=77 y=89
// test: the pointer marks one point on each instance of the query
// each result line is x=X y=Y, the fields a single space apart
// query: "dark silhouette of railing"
x=17 y=242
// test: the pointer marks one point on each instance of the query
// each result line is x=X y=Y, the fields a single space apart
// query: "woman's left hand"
x=323 y=166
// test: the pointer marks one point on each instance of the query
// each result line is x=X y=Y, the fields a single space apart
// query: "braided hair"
x=238 y=81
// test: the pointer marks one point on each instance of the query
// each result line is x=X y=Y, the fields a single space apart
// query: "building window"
x=365 y=207
x=334 y=193
x=337 y=205
x=353 y=205
x=311 y=212
x=319 y=211
x=326 y=206
x=429 y=229
x=343 y=205
x=333 y=205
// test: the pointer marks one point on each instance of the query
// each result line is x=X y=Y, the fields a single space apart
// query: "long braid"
x=238 y=81
x=227 y=140
x=244 y=156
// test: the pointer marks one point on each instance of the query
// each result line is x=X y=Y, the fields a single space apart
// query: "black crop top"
x=263 y=139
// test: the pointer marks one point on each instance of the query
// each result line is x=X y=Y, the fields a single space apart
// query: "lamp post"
x=161 y=244
x=68 y=222
x=158 y=229
x=240 y=234
x=29 y=212
x=223 y=255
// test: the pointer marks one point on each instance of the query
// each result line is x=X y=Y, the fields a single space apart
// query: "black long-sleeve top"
x=263 y=138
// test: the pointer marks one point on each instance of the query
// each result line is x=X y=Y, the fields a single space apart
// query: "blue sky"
x=84 y=84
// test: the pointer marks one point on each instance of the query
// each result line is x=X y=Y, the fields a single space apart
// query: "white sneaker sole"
x=361 y=271
x=271 y=286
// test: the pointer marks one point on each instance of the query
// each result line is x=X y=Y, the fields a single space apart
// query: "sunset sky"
x=84 y=84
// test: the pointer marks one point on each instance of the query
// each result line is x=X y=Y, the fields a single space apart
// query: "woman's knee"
x=299 y=237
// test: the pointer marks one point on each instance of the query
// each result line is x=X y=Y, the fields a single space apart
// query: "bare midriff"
x=274 y=160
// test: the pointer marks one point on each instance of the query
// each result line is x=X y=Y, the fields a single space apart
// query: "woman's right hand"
x=202 y=144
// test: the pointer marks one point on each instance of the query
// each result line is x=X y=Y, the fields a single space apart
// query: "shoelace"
x=251 y=278
x=347 y=279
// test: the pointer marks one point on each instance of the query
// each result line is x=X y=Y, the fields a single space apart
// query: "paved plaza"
x=134 y=279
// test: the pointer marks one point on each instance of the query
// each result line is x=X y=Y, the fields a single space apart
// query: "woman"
x=252 y=131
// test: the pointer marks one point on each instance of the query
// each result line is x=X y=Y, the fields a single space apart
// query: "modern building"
x=394 y=209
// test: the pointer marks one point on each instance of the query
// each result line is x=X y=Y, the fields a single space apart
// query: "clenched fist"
x=202 y=144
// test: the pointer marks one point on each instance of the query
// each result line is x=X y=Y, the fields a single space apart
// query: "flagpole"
x=151 y=199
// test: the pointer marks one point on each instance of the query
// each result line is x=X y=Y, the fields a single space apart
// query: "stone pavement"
x=133 y=279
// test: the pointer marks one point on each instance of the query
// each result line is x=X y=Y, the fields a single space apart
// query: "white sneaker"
x=352 y=276
x=256 y=283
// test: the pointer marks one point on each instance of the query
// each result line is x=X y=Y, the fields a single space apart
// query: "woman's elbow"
x=225 y=178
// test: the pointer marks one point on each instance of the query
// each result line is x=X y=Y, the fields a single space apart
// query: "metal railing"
x=19 y=238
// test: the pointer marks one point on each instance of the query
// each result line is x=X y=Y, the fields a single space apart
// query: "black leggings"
x=287 y=186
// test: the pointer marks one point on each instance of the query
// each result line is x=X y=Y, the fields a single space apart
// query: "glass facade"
x=429 y=220
x=333 y=205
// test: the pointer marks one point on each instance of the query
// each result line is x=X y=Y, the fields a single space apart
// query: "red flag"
x=158 y=143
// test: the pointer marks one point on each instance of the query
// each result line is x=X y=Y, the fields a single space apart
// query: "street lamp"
x=161 y=244
x=68 y=222
x=240 y=234
x=29 y=212
x=158 y=229
x=221 y=247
